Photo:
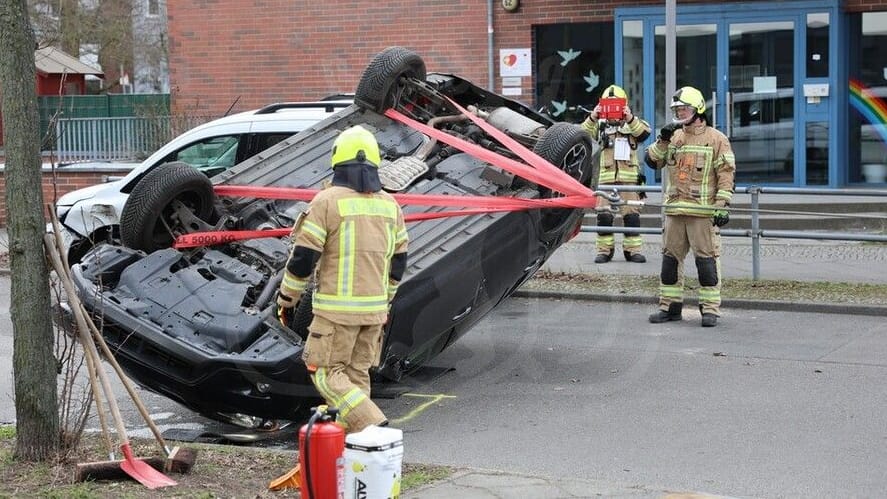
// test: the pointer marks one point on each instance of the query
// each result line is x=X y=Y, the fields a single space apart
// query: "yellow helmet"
x=614 y=91
x=356 y=145
x=688 y=96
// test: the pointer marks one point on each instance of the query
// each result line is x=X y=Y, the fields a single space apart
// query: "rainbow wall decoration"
x=871 y=107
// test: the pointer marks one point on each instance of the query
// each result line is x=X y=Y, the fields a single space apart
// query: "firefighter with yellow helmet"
x=619 y=132
x=354 y=240
x=701 y=171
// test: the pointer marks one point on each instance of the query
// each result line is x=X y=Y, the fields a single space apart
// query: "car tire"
x=376 y=88
x=142 y=224
x=568 y=147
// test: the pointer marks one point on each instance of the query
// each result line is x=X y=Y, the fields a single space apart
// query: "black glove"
x=720 y=218
x=642 y=180
x=667 y=131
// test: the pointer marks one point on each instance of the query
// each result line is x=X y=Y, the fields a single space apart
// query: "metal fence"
x=116 y=139
x=756 y=233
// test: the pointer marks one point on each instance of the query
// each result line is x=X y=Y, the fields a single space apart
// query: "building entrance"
x=765 y=71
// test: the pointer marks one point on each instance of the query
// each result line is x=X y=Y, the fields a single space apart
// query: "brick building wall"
x=226 y=50
x=298 y=50
x=62 y=182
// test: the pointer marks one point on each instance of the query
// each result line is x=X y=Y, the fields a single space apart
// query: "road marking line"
x=425 y=405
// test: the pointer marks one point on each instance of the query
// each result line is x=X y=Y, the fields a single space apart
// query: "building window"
x=868 y=98
x=574 y=63
x=153 y=7
x=817 y=45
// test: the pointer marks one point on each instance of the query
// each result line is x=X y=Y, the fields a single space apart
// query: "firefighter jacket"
x=613 y=171
x=357 y=235
x=701 y=170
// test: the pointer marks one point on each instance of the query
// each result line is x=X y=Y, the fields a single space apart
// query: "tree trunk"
x=69 y=26
x=34 y=365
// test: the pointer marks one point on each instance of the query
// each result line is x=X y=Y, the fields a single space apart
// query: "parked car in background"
x=92 y=214
x=199 y=325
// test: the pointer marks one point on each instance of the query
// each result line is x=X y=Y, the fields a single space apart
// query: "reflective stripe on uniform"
x=369 y=207
x=671 y=291
x=632 y=242
x=293 y=284
x=689 y=208
x=401 y=237
x=627 y=176
x=709 y=294
x=345 y=403
x=315 y=230
x=725 y=195
x=657 y=152
x=345 y=285
x=338 y=303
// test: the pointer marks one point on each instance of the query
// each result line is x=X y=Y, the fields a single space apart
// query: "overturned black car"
x=198 y=325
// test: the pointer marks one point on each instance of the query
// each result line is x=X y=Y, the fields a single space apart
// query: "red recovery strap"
x=209 y=238
x=544 y=174
x=551 y=177
x=565 y=183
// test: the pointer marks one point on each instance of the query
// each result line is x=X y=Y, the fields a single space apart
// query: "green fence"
x=54 y=108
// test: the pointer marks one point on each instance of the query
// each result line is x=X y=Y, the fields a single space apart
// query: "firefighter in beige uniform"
x=701 y=170
x=355 y=235
x=618 y=166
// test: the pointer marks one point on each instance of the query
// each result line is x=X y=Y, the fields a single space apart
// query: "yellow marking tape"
x=425 y=405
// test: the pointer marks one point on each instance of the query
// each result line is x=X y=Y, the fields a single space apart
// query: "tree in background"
x=34 y=363
x=101 y=30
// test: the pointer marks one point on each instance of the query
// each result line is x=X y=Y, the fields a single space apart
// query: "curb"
x=736 y=303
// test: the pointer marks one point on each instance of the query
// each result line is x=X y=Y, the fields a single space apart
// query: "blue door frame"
x=728 y=13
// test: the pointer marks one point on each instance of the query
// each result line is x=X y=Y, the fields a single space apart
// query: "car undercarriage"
x=198 y=324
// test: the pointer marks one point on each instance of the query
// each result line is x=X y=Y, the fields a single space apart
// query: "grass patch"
x=772 y=290
x=417 y=475
x=219 y=471
x=7 y=432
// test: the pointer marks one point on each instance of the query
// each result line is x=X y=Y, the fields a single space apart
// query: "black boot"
x=603 y=257
x=709 y=320
x=634 y=257
x=673 y=314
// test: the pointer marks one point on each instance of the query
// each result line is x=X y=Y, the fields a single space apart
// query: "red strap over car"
x=540 y=172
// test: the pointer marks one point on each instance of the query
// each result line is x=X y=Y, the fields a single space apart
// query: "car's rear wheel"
x=171 y=199
x=380 y=86
x=568 y=147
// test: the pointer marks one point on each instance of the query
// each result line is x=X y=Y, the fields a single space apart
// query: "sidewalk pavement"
x=490 y=484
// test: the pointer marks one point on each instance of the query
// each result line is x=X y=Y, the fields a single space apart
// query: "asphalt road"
x=768 y=404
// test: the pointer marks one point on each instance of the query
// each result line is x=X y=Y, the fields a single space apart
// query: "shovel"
x=137 y=469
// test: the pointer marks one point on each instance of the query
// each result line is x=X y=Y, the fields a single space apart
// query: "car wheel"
x=152 y=213
x=568 y=147
x=379 y=85
x=304 y=313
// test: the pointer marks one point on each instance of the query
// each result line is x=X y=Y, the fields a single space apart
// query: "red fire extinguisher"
x=322 y=456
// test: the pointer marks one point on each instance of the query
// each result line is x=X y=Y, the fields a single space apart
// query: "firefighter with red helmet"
x=619 y=136
x=701 y=170
x=354 y=240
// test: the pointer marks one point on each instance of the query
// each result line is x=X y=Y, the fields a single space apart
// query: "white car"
x=92 y=214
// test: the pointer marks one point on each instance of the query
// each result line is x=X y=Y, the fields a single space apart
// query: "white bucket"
x=875 y=173
x=373 y=461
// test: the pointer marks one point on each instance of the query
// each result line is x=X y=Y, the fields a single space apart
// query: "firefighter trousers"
x=339 y=358
x=681 y=234
x=606 y=241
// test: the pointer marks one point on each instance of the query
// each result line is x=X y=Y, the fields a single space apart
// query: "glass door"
x=745 y=66
x=696 y=61
x=759 y=101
